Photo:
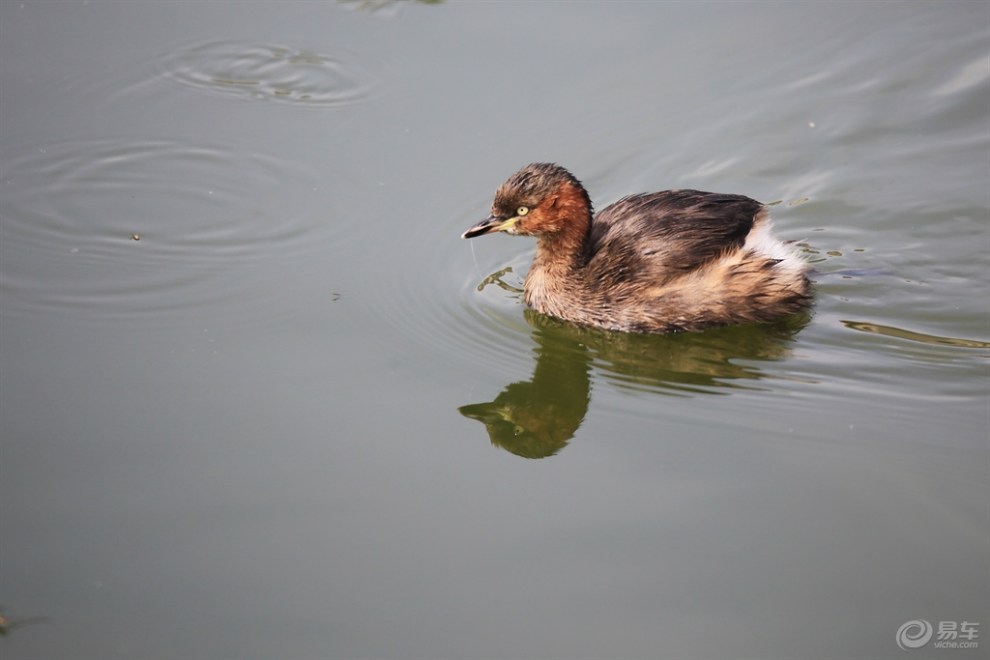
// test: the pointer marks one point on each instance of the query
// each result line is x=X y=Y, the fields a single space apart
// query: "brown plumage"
x=679 y=260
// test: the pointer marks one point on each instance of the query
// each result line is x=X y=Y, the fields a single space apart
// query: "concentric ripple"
x=266 y=72
x=441 y=312
x=483 y=324
x=122 y=229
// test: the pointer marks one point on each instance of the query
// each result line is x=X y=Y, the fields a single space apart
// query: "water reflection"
x=536 y=418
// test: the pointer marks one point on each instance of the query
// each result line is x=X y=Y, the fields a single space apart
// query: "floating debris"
x=910 y=335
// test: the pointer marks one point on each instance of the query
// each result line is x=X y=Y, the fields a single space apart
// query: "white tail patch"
x=762 y=243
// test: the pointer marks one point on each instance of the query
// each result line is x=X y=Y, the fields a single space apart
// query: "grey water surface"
x=259 y=400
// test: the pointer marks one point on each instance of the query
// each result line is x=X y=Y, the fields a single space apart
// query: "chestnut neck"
x=565 y=246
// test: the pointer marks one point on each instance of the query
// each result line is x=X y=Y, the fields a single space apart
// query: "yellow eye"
x=522 y=210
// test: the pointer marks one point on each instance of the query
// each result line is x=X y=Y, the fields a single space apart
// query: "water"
x=259 y=399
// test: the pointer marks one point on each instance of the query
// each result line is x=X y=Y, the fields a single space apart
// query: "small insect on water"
x=7 y=625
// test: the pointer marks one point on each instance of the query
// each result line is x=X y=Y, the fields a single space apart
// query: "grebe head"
x=539 y=199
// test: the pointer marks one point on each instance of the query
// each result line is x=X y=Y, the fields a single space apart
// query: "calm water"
x=259 y=400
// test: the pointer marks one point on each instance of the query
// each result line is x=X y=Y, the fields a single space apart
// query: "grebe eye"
x=522 y=210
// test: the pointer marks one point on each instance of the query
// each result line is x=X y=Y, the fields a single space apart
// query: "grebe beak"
x=490 y=224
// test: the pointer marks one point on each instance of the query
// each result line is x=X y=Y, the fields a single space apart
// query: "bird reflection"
x=536 y=418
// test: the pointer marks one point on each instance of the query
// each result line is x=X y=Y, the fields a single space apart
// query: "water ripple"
x=266 y=72
x=121 y=228
x=436 y=305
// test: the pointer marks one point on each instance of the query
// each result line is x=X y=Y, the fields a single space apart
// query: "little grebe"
x=679 y=260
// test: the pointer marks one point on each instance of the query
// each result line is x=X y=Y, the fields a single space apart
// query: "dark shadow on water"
x=536 y=418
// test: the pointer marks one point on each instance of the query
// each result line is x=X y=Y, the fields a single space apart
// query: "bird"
x=662 y=262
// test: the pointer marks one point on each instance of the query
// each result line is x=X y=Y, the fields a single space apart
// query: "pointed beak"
x=488 y=225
